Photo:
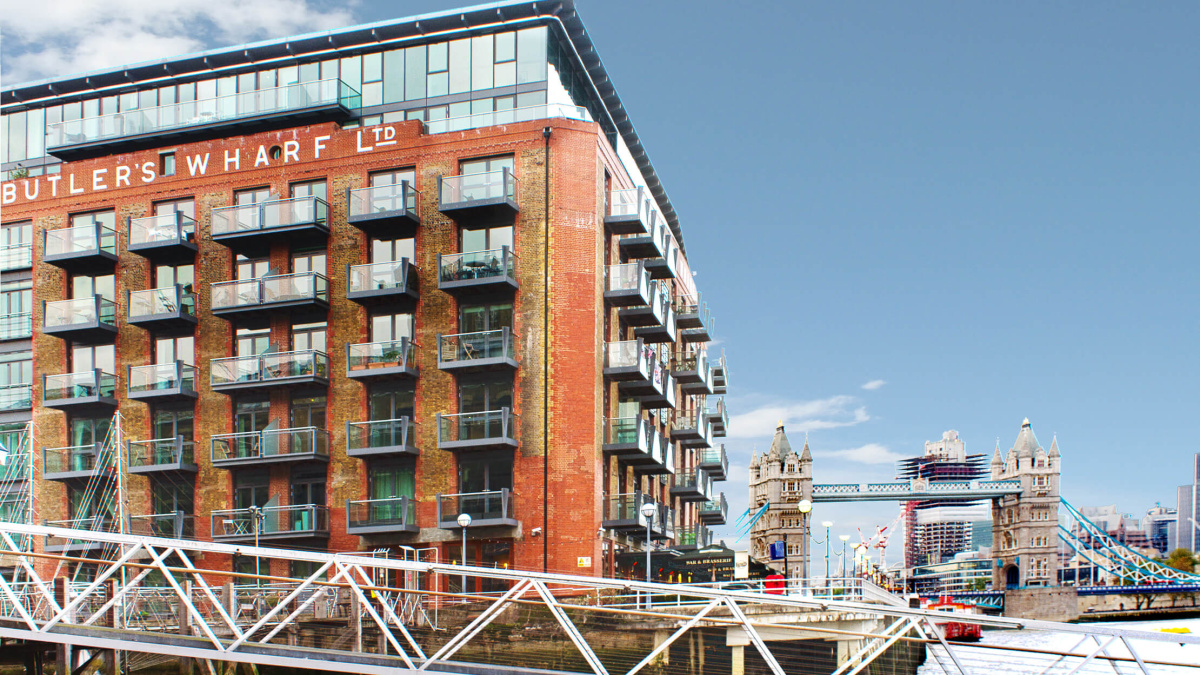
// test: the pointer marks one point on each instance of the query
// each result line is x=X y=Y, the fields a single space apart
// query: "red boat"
x=957 y=631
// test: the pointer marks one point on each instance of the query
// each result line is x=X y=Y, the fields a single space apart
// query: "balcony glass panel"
x=487 y=185
x=379 y=434
x=288 y=98
x=622 y=430
x=275 y=289
x=165 y=228
x=85 y=384
x=16 y=397
x=398 y=511
x=81 y=312
x=523 y=114
x=496 y=263
x=491 y=505
x=267 y=367
x=379 y=276
x=168 y=300
x=384 y=199
x=79 y=240
x=173 y=525
x=629 y=202
x=270 y=215
x=72 y=458
x=160 y=451
x=627 y=277
x=271 y=443
x=16 y=326
x=475 y=426
x=299 y=519
x=16 y=257
x=388 y=354
x=161 y=376
x=488 y=344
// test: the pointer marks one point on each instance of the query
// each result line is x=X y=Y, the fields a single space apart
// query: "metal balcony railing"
x=714 y=461
x=630 y=202
x=171 y=525
x=16 y=396
x=624 y=511
x=159 y=452
x=299 y=443
x=381 y=515
x=159 y=376
x=476 y=267
x=274 y=522
x=16 y=257
x=394 y=434
x=84 y=384
x=167 y=301
x=270 y=215
x=629 y=357
x=267 y=368
x=276 y=289
x=70 y=459
x=94 y=239
x=627 y=282
x=164 y=229
x=80 y=312
x=465 y=348
x=401 y=199
x=16 y=326
x=494 y=507
x=380 y=278
x=387 y=355
x=477 y=428
x=486 y=187
x=492 y=118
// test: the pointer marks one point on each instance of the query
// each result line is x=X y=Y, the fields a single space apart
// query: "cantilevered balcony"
x=83 y=249
x=692 y=485
x=169 y=309
x=271 y=523
x=692 y=538
x=630 y=211
x=492 y=508
x=162 y=456
x=664 y=523
x=653 y=244
x=74 y=463
x=691 y=429
x=252 y=228
x=694 y=321
x=714 y=511
x=475 y=272
x=305 y=294
x=91 y=391
x=627 y=285
x=718 y=416
x=656 y=322
x=91 y=319
x=167 y=237
x=261 y=371
x=713 y=461
x=663 y=396
x=623 y=513
x=630 y=362
x=381 y=516
x=382 y=360
x=667 y=266
x=385 y=211
x=293 y=104
x=477 y=352
x=720 y=375
x=385 y=282
x=660 y=461
x=175 y=381
x=16 y=257
x=169 y=525
x=67 y=546
x=16 y=397
x=631 y=437
x=487 y=430
x=378 y=438
x=255 y=448
x=479 y=196
x=16 y=326
x=693 y=372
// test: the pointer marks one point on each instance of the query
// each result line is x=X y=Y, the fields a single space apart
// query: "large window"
x=252 y=416
x=314 y=188
x=485 y=472
x=483 y=396
x=392 y=250
x=16 y=297
x=251 y=487
x=250 y=342
x=309 y=336
x=89 y=431
x=312 y=261
x=391 y=400
x=83 y=286
x=308 y=486
x=388 y=327
x=185 y=206
x=172 y=423
x=170 y=275
x=89 y=357
x=103 y=218
x=389 y=479
x=246 y=269
x=477 y=318
x=308 y=411
x=253 y=196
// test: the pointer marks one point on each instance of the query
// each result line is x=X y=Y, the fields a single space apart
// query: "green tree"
x=1182 y=560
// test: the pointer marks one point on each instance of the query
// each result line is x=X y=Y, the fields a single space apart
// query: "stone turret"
x=1025 y=525
x=782 y=479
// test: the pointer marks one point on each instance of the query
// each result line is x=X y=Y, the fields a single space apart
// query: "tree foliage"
x=1182 y=560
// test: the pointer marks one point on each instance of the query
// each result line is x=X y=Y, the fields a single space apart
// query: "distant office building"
x=966 y=571
x=935 y=531
x=1121 y=527
x=1187 y=508
x=1160 y=528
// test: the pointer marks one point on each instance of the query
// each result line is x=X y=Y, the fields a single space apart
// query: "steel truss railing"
x=1123 y=562
x=190 y=612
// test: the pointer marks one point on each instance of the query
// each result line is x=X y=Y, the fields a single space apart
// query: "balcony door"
x=85 y=359
x=479 y=318
x=490 y=397
x=387 y=481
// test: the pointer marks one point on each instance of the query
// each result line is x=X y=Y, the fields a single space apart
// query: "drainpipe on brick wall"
x=546 y=358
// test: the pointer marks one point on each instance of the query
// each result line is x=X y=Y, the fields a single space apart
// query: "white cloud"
x=874 y=384
x=61 y=37
x=827 y=413
x=871 y=453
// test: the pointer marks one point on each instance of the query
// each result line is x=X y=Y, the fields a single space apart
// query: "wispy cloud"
x=826 y=413
x=874 y=384
x=871 y=453
x=59 y=37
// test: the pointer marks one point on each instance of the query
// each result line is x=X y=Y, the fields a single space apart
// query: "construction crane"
x=879 y=540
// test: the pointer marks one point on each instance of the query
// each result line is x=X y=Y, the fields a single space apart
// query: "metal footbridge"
x=913 y=490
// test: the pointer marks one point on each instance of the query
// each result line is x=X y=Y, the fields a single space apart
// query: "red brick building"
x=344 y=288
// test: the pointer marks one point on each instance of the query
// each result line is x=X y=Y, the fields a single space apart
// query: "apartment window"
x=250 y=342
x=253 y=196
x=393 y=177
x=87 y=431
x=251 y=487
x=392 y=250
x=486 y=164
x=476 y=318
x=83 y=286
x=169 y=497
x=83 y=503
x=251 y=416
x=308 y=411
x=169 y=275
x=16 y=250
x=308 y=486
x=391 y=401
x=10 y=436
x=172 y=349
x=484 y=396
x=246 y=269
x=505 y=60
x=313 y=261
x=185 y=206
x=16 y=297
x=488 y=238
x=84 y=358
x=103 y=218
x=388 y=327
x=309 y=336
x=485 y=472
x=166 y=164
x=438 y=62
x=172 y=423
x=388 y=479
x=315 y=188
x=16 y=369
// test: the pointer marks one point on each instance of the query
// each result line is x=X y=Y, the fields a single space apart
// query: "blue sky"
x=988 y=207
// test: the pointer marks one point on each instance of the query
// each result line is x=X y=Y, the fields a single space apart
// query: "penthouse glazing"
x=346 y=287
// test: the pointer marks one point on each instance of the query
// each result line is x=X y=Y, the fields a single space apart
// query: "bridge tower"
x=782 y=478
x=1025 y=525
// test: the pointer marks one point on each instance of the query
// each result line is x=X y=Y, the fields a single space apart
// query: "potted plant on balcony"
x=391 y=358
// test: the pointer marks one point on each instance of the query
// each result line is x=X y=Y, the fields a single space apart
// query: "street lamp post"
x=258 y=515
x=649 y=511
x=845 y=538
x=805 y=507
x=464 y=521
x=827 y=524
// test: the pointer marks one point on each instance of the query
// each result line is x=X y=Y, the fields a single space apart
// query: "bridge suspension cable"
x=1126 y=563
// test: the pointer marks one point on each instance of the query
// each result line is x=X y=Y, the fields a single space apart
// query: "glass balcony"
x=260 y=371
x=16 y=326
x=627 y=285
x=630 y=211
x=328 y=99
x=692 y=485
x=720 y=375
x=385 y=281
x=381 y=516
x=630 y=439
x=381 y=437
x=175 y=381
x=16 y=397
x=658 y=325
x=717 y=415
x=666 y=266
x=88 y=390
x=488 y=194
x=254 y=448
x=713 y=461
x=663 y=396
x=16 y=257
x=251 y=228
x=162 y=455
x=301 y=291
x=692 y=538
x=384 y=208
x=510 y=116
x=170 y=308
x=393 y=358
x=714 y=511
x=490 y=508
x=474 y=352
x=167 y=237
x=487 y=430
x=691 y=429
x=478 y=271
x=693 y=372
x=66 y=545
x=633 y=364
x=698 y=325
x=87 y=248
x=661 y=459
x=270 y=523
x=170 y=525
x=623 y=512
x=76 y=462
x=653 y=244
x=91 y=319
